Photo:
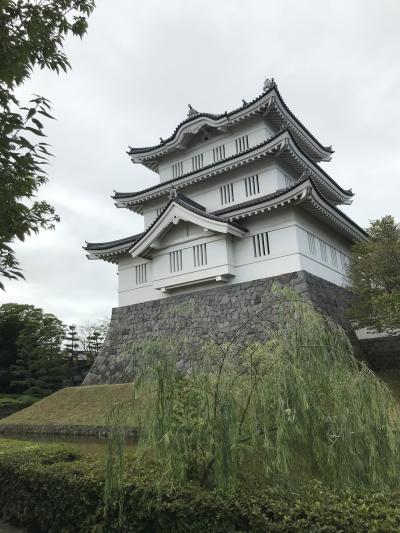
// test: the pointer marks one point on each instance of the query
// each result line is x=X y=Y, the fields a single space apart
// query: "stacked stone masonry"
x=193 y=315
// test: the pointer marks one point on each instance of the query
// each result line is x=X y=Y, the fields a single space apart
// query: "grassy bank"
x=73 y=406
x=90 y=405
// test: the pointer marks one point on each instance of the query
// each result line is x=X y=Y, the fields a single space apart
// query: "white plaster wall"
x=128 y=291
x=182 y=232
x=283 y=257
x=271 y=177
x=217 y=261
x=258 y=131
x=289 y=252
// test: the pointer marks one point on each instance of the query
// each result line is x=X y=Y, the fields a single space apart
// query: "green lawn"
x=73 y=406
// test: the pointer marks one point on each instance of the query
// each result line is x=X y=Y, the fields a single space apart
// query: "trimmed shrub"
x=55 y=489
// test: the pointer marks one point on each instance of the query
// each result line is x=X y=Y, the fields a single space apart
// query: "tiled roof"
x=193 y=117
x=185 y=202
x=181 y=200
x=196 y=208
x=188 y=204
x=259 y=200
x=281 y=192
x=106 y=245
x=121 y=195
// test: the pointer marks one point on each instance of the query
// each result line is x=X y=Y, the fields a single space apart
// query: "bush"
x=11 y=403
x=54 y=489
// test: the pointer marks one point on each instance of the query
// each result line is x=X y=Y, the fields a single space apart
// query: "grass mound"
x=91 y=405
x=73 y=406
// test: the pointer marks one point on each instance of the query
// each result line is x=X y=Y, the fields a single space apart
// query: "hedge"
x=54 y=489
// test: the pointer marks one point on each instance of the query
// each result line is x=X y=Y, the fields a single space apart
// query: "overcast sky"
x=337 y=65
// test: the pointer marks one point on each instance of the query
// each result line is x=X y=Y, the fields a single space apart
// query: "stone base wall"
x=382 y=353
x=220 y=310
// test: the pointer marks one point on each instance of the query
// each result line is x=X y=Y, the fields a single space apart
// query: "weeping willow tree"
x=296 y=407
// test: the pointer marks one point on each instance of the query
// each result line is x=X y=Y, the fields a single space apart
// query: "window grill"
x=197 y=162
x=226 y=192
x=334 y=258
x=343 y=261
x=141 y=273
x=252 y=185
x=261 y=244
x=177 y=170
x=175 y=261
x=311 y=244
x=242 y=144
x=219 y=153
x=324 y=251
x=200 y=255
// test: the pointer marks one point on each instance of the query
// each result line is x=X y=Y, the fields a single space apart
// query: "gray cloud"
x=336 y=63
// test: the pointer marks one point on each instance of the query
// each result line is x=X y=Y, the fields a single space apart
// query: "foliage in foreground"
x=375 y=276
x=31 y=35
x=295 y=408
x=54 y=489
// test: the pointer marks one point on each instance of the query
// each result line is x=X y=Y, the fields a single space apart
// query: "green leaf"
x=35 y=131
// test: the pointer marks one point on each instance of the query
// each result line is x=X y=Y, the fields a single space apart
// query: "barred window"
x=177 y=170
x=175 y=261
x=226 y=192
x=343 y=261
x=200 y=255
x=252 y=185
x=261 y=244
x=159 y=210
x=219 y=153
x=324 y=251
x=334 y=257
x=141 y=273
x=242 y=144
x=311 y=244
x=197 y=162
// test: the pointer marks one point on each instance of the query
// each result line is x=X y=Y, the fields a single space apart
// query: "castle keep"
x=241 y=201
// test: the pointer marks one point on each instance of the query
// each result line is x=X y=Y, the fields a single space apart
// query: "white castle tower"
x=240 y=197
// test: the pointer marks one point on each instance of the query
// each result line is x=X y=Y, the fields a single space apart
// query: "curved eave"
x=110 y=251
x=281 y=145
x=269 y=103
x=308 y=197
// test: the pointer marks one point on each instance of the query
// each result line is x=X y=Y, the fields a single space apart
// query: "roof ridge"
x=117 y=195
x=281 y=192
x=215 y=163
x=217 y=116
